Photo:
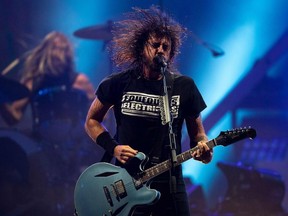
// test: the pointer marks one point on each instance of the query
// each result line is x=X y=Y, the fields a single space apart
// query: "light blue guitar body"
x=105 y=189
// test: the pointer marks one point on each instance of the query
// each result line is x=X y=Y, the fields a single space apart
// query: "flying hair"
x=130 y=35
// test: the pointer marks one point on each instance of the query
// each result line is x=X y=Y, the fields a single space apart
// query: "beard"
x=153 y=65
x=155 y=69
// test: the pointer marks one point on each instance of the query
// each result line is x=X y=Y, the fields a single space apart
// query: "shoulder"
x=185 y=85
x=117 y=78
x=111 y=87
x=119 y=75
x=183 y=79
x=81 y=77
x=115 y=81
x=77 y=77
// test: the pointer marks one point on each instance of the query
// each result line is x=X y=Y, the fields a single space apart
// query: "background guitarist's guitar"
x=105 y=189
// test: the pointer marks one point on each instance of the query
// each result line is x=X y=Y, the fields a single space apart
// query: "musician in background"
x=59 y=100
x=50 y=64
x=144 y=44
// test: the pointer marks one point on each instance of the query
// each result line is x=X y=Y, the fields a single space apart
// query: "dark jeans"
x=168 y=204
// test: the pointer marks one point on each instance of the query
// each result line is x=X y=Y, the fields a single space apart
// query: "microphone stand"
x=166 y=118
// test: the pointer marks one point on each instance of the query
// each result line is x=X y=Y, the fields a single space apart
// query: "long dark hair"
x=41 y=60
x=130 y=35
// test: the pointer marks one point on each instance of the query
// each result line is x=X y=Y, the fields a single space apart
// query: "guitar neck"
x=225 y=138
x=166 y=165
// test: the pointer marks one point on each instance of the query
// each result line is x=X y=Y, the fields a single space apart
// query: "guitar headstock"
x=228 y=137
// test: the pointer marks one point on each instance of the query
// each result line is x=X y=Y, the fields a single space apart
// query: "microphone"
x=160 y=61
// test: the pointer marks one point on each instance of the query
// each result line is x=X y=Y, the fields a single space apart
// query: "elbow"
x=10 y=121
x=87 y=125
x=90 y=125
x=10 y=117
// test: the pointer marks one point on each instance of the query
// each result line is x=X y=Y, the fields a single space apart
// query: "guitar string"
x=131 y=184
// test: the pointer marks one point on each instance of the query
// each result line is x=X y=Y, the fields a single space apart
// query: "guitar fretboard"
x=225 y=138
x=166 y=165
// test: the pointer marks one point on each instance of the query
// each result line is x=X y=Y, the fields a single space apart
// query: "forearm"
x=100 y=135
x=198 y=138
x=10 y=116
x=196 y=131
x=94 y=118
x=94 y=128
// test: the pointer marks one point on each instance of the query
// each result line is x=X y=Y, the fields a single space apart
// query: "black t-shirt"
x=47 y=81
x=137 y=111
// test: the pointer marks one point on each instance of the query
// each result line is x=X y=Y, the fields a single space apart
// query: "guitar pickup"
x=120 y=189
x=108 y=196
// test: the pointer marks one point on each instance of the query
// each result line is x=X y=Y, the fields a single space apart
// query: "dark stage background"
x=245 y=86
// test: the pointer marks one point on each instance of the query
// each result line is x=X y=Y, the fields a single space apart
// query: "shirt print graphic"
x=146 y=105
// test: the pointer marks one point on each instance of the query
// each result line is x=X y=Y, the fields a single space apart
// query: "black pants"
x=169 y=204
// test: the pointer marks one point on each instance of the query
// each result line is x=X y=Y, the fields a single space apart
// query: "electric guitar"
x=104 y=189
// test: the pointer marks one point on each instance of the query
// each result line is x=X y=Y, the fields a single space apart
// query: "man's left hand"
x=203 y=153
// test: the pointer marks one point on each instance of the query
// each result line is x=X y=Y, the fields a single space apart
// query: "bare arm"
x=195 y=129
x=12 y=112
x=94 y=118
x=95 y=128
x=83 y=83
x=198 y=136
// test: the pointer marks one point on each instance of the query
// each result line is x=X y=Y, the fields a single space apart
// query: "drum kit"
x=58 y=118
x=98 y=32
x=11 y=90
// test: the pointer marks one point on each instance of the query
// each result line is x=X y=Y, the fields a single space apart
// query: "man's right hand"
x=124 y=152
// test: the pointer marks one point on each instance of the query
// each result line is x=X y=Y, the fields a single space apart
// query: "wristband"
x=107 y=142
